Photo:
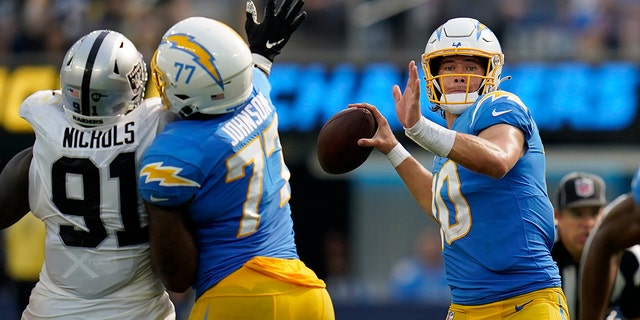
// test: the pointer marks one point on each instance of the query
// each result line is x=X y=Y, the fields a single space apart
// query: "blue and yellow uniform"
x=497 y=233
x=230 y=169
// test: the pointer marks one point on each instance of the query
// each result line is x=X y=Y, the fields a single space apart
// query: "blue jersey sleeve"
x=502 y=107
x=170 y=173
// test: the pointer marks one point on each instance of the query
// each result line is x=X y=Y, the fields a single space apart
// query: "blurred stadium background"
x=575 y=63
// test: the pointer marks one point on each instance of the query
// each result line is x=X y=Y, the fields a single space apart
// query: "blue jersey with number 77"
x=232 y=169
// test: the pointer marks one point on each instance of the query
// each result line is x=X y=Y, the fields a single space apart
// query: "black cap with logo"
x=581 y=189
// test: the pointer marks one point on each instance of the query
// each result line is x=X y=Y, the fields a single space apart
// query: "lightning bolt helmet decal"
x=201 y=55
x=202 y=66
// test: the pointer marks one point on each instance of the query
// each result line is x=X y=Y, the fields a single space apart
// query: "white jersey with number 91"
x=82 y=184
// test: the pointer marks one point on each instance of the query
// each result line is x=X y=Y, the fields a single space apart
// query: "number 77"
x=188 y=67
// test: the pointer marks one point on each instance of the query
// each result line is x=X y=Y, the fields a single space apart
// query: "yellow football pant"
x=254 y=294
x=545 y=304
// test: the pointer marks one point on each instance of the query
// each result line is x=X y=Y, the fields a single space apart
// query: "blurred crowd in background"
x=336 y=31
x=590 y=30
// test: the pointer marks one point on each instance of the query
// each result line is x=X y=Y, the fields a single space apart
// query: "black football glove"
x=269 y=37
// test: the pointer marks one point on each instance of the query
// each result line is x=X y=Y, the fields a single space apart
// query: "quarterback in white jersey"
x=82 y=183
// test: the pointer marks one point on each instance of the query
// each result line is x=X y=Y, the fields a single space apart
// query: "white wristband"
x=397 y=155
x=262 y=63
x=432 y=136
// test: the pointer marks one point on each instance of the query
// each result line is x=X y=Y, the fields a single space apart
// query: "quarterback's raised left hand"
x=268 y=37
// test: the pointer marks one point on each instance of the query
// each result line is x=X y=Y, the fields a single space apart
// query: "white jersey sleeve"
x=82 y=184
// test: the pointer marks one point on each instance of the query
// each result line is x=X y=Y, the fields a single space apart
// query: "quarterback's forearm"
x=418 y=180
x=480 y=156
x=493 y=152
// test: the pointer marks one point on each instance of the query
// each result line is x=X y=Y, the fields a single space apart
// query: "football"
x=337 y=147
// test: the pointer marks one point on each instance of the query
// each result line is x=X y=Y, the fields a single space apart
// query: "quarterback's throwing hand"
x=269 y=37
